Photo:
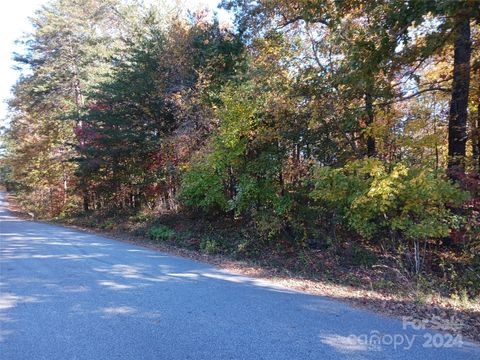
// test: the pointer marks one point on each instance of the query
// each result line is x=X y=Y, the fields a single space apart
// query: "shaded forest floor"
x=359 y=276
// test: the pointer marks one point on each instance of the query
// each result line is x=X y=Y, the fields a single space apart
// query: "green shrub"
x=372 y=200
x=202 y=187
x=204 y=181
x=209 y=245
x=108 y=224
x=161 y=232
x=378 y=203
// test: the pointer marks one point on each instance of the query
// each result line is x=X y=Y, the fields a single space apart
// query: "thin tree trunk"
x=477 y=130
x=457 y=123
x=86 y=203
x=371 y=148
x=476 y=134
x=435 y=133
x=231 y=184
x=65 y=183
x=79 y=104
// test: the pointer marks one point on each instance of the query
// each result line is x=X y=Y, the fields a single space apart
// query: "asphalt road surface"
x=67 y=294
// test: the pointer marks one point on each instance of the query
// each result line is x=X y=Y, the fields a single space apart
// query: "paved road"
x=66 y=294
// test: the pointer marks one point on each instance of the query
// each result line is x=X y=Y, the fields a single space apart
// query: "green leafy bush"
x=161 y=232
x=372 y=199
x=204 y=182
x=240 y=171
x=108 y=224
x=209 y=245
x=202 y=188
x=380 y=203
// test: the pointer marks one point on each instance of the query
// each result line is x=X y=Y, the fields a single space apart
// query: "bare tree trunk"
x=371 y=148
x=231 y=184
x=476 y=134
x=477 y=130
x=65 y=183
x=79 y=104
x=435 y=133
x=86 y=202
x=64 y=190
x=457 y=123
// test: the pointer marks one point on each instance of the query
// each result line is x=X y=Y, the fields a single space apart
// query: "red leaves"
x=86 y=136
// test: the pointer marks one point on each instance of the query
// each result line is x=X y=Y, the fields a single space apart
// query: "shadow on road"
x=64 y=291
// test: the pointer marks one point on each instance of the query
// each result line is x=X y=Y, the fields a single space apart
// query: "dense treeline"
x=314 y=122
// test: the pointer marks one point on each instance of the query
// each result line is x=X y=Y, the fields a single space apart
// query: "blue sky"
x=14 y=21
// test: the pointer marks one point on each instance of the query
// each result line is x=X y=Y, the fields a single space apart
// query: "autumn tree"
x=66 y=53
